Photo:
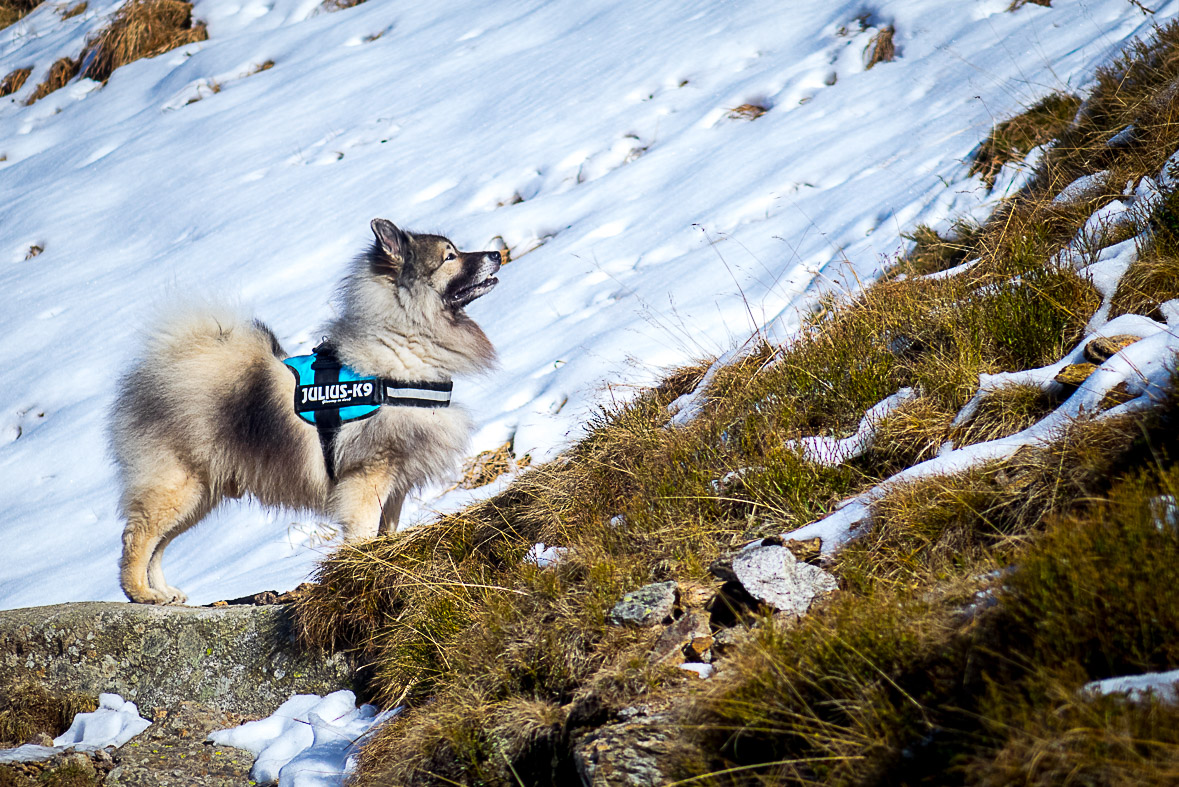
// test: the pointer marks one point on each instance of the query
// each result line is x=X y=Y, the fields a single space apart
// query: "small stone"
x=669 y=647
x=774 y=576
x=1073 y=375
x=647 y=606
x=1119 y=394
x=699 y=649
x=804 y=550
x=1103 y=348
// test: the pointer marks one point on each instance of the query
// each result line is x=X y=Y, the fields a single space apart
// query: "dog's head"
x=456 y=277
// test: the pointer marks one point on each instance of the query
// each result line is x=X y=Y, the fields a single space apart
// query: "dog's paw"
x=175 y=595
x=150 y=595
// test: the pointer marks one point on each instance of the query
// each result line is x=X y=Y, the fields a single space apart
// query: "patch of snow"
x=310 y=741
x=703 y=670
x=1160 y=685
x=543 y=556
x=1084 y=187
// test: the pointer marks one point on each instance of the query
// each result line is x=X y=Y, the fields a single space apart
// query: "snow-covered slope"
x=593 y=134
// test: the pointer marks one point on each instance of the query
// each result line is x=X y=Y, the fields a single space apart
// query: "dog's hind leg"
x=358 y=501
x=155 y=515
x=391 y=512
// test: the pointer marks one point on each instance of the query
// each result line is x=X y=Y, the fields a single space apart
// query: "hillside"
x=651 y=224
x=841 y=345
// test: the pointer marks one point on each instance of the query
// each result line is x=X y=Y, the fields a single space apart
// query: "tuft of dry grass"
x=74 y=10
x=1003 y=412
x=27 y=709
x=490 y=465
x=1013 y=139
x=932 y=253
x=881 y=49
x=1018 y=4
x=60 y=73
x=141 y=28
x=14 y=10
x=339 y=5
x=747 y=112
x=14 y=81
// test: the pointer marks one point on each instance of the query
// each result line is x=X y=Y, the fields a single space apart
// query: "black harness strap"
x=327 y=422
x=325 y=402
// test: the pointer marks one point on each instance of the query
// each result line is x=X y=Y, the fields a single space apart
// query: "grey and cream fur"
x=208 y=411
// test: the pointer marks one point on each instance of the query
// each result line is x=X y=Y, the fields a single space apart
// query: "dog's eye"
x=449 y=257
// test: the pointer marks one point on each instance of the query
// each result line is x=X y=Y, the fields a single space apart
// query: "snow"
x=1160 y=685
x=593 y=135
x=310 y=741
x=543 y=557
x=113 y=723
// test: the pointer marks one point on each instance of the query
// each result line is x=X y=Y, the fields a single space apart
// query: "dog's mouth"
x=467 y=294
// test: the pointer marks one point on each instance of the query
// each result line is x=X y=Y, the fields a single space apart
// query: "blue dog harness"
x=329 y=394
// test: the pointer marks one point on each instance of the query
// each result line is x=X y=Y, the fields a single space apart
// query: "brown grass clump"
x=60 y=73
x=881 y=49
x=932 y=252
x=14 y=10
x=27 y=709
x=74 y=10
x=339 y=5
x=14 y=81
x=1013 y=139
x=490 y=465
x=1003 y=412
x=142 y=28
x=1018 y=4
x=747 y=112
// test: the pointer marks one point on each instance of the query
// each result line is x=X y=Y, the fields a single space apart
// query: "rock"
x=727 y=639
x=647 y=606
x=628 y=754
x=238 y=659
x=699 y=649
x=773 y=575
x=1103 y=348
x=669 y=648
x=1073 y=375
x=806 y=550
x=1119 y=394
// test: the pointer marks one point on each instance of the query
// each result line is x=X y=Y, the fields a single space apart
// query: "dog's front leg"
x=358 y=500
x=391 y=513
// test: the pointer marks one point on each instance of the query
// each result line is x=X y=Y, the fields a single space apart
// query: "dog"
x=209 y=410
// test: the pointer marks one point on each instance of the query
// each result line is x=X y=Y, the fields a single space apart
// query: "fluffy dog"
x=209 y=410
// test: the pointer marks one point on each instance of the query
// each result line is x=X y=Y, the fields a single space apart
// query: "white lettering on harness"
x=336 y=393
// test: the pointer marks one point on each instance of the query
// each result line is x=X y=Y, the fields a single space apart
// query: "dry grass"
x=14 y=81
x=28 y=709
x=747 y=112
x=74 y=10
x=1018 y=4
x=14 y=10
x=1013 y=139
x=881 y=49
x=1003 y=412
x=141 y=28
x=60 y=73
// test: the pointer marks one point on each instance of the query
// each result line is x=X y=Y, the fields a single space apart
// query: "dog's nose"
x=497 y=257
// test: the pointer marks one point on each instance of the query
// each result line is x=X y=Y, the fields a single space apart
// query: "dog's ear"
x=392 y=240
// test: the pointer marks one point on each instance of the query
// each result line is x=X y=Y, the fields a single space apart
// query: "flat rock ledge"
x=238 y=659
